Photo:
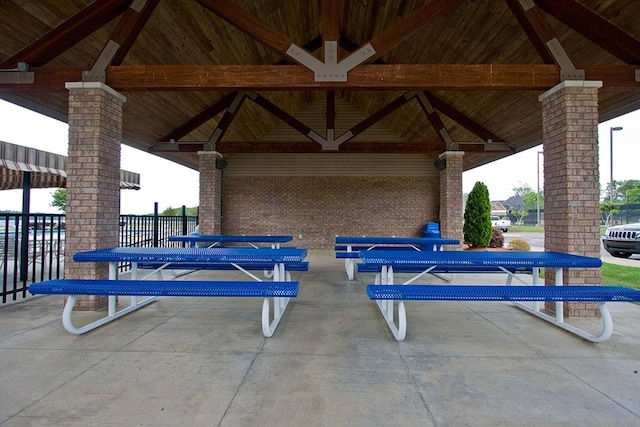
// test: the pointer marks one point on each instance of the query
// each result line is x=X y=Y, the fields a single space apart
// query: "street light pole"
x=538 y=193
x=611 y=130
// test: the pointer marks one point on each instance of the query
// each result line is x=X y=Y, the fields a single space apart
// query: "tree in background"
x=624 y=193
x=529 y=201
x=178 y=211
x=59 y=199
x=622 y=189
x=477 y=217
x=609 y=209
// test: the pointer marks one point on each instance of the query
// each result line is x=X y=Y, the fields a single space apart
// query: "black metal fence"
x=32 y=246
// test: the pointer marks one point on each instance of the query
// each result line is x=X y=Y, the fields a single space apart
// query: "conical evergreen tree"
x=477 y=217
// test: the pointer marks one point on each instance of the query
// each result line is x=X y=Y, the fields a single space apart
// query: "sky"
x=172 y=185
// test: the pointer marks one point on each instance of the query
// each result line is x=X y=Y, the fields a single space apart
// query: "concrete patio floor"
x=331 y=362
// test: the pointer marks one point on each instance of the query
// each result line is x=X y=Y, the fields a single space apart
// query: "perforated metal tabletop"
x=225 y=255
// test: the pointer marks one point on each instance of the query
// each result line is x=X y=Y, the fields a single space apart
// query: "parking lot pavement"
x=536 y=240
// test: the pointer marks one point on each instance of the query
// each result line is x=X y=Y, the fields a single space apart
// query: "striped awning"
x=48 y=170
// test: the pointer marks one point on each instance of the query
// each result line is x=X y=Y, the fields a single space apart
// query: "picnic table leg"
x=68 y=324
x=399 y=331
x=269 y=325
x=349 y=265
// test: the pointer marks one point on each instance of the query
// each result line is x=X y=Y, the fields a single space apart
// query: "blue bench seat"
x=503 y=293
x=280 y=292
x=290 y=266
x=376 y=268
x=169 y=288
x=388 y=296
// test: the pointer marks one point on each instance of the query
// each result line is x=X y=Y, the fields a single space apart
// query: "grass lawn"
x=619 y=275
x=526 y=229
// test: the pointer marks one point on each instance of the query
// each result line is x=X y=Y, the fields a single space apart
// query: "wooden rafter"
x=330 y=113
x=129 y=27
x=331 y=10
x=434 y=119
x=414 y=22
x=378 y=115
x=227 y=119
x=595 y=28
x=542 y=36
x=295 y=77
x=432 y=148
x=68 y=33
x=282 y=115
x=535 y=26
x=222 y=104
x=462 y=119
x=250 y=25
x=197 y=121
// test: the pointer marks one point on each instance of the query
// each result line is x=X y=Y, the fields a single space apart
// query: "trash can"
x=431 y=230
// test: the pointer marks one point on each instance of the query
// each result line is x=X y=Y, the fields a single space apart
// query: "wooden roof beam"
x=203 y=117
x=434 y=119
x=122 y=38
x=215 y=109
x=376 y=117
x=462 y=119
x=227 y=119
x=432 y=148
x=68 y=33
x=535 y=26
x=295 y=77
x=595 y=28
x=305 y=130
x=331 y=10
x=541 y=35
x=250 y=25
x=414 y=22
x=130 y=26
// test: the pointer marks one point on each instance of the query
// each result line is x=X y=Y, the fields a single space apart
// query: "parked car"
x=622 y=241
x=502 y=224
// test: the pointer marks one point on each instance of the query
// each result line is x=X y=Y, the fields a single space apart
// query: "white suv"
x=622 y=241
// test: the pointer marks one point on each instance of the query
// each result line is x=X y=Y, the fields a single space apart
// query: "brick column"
x=210 y=217
x=571 y=181
x=451 y=201
x=93 y=180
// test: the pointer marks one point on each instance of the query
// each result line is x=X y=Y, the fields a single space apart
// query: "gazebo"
x=323 y=118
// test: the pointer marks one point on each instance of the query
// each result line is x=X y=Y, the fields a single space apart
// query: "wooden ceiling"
x=230 y=74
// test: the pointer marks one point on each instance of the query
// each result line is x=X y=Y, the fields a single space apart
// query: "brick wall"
x=210 y=193
x=451 y=207
x=571 y=181
x=314 y=209
x=93 y=180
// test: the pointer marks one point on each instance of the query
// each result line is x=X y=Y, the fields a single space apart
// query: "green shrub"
x=477 y=217
x=519 y=245
x=497 y=238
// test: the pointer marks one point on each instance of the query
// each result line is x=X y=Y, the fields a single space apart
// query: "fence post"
x=155 y=225
x=184 y=220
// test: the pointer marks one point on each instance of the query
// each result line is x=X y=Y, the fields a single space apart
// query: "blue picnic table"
x=212 y=240
x=280 y=290
x=348 y=247
x=387 y=294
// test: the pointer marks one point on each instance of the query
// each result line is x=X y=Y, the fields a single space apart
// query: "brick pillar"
x=451 y=201
x=571 y=181
x=93 y=180
x=210 y=218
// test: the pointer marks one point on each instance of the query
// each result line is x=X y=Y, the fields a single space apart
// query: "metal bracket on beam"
x=330 y=70
x=137 y=5
x=637 y=76
x=527 y=4
x=98 y=71
x=567 y=70
x=19 y=75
